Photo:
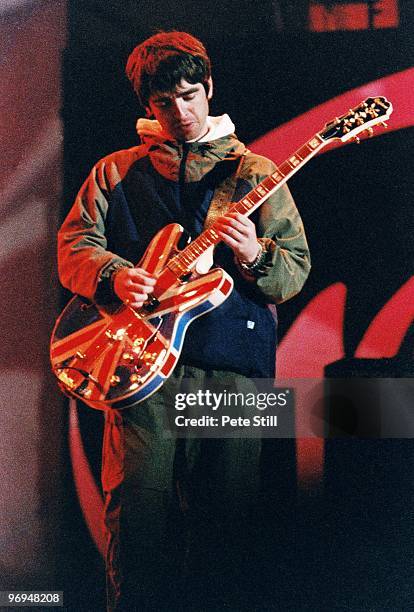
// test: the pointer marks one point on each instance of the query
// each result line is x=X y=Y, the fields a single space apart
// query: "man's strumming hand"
x=133 y=285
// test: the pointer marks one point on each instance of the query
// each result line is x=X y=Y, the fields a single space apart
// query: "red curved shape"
x=279 y=143
x=313 y=340
x=315 y=337
x=89 y=496
x=386 y=331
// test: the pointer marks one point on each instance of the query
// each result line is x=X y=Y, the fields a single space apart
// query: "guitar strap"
x=223 y=194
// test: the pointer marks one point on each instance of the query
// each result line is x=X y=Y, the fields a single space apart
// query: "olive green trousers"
x=180 y=514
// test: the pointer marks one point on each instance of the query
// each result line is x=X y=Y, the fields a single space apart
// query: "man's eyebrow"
x=186 y=92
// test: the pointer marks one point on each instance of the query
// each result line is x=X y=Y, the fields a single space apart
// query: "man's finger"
x=141 y=287
x=137 y=298
x=231 y=229
x=234 y=224
x=142 y=275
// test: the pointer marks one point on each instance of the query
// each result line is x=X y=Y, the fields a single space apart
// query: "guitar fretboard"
x=184 y=261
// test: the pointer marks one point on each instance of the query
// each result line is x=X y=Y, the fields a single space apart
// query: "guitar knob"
x=115 y=380
x=127 y=357
x=135 y=378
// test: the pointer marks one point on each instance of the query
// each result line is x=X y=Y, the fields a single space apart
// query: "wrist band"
x=254 y=265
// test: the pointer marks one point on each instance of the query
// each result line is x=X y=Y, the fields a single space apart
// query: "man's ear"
x=148 y=112
x=210 y=88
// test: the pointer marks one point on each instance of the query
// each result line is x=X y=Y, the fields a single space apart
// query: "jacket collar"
x=200 y=156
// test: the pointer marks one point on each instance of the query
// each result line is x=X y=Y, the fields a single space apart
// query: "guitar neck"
x=185 y=260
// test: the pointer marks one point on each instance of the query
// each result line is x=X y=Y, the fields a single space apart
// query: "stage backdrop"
x=32 y=38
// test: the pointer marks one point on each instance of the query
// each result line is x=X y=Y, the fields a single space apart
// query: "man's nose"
x=179 y=108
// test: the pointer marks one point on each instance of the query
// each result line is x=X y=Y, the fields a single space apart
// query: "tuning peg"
x=385 y=125
x=357 y=140
x=370 y=132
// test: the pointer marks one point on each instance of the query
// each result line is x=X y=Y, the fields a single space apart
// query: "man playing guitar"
x=165 y=499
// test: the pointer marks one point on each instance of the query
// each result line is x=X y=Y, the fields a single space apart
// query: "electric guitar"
x=114 y=357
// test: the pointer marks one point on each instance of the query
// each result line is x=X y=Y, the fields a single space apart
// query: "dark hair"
x=159 y=63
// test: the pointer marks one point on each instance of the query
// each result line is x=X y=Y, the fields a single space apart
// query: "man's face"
x=183 y=112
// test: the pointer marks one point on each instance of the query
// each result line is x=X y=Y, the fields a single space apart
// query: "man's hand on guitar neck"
x=133 y=285
x=239 y=233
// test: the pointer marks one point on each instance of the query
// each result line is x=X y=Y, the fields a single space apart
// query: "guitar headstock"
x=372 y=111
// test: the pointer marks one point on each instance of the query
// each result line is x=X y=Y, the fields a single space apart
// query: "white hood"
x=218 y=127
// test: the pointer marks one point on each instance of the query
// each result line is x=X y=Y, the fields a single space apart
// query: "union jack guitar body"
x=116 y=356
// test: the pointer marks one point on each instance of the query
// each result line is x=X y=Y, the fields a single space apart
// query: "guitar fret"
x=243 y=206
x=261 y=189
x=240 y=206
x=195 y=249
x=314 y=143
x=255 y=196
x=274 y=178
x=306 y=150
x=176 y=267
x=294 y=161
x=283 y=170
